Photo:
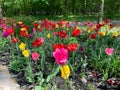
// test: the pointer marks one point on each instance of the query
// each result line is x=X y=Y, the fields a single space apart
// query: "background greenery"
x=60 y=7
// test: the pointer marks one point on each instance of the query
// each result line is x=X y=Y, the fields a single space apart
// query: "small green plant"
x=90 y=86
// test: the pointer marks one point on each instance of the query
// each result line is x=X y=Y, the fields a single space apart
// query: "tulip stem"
x=73 y=57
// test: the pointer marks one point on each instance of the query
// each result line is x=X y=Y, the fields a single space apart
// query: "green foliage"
x=17 y=65
x=53 y=73
x=70 y=40
x=59 y=7
x=90 y=86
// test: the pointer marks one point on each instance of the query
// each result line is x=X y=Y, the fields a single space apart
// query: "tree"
x=1 y=11
x=100 y=17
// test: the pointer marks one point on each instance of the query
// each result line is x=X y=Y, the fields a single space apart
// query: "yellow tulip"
x=115 y=34
x=77 y=27
x=93 y=27
x=88 y=30
x=102 y=33
x=48 y=35
x=65 y=71
x=22 y=46
x=25 y=53
x=39 y=26
x=23 y=29
x=20 y=22
x=56 y=26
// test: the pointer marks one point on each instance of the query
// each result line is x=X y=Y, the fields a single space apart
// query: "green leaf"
x=105 y=76
x=28 y=74
x=53 y=73
x=42 y=52
x=71 y=67
x=38 y=88
x=70 y=40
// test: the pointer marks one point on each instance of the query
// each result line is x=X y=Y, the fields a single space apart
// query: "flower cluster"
x=67 y=43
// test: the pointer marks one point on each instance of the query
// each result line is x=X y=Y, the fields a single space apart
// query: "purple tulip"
x=5 y=34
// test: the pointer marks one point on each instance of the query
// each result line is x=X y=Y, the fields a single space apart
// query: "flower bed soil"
x=89 y=82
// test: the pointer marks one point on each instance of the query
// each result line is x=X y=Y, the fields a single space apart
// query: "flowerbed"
x=46 y=49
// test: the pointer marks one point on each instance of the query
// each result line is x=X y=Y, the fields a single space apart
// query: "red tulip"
x=98 y=26
x=10 y=30
x=46 y=23
x=72 y=47
x=35 y=24
x=62 y=34
x=60 y=23
x=23 y=33
x=75 y=32
x=52 y=24
x=38 y=42
x=56 y=46
x=14 y=40
x=107 y=21
x=92 y=36
x=111 y=26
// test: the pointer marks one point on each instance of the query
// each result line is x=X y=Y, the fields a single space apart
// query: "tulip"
x=55 y=46
x=61 y=56
x=25 y=53
x=14 y=40
x=5 y=34
x=10 y=30
x=115 y=34
x=35 y=56
x=109 y=51
x=65 y=71
x=72 y=47
x=75 y=32
x=92 y=36
x=22 y=46
x=48 y=35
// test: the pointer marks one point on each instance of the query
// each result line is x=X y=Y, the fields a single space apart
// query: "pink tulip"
x=66 y=36
x=68 y=25
x=34 y=30
x=61 y=56
x=55 y=33
x=41 y=39
x=35 y=56
x=109 y=51
x=14 y=24
x=91 y=24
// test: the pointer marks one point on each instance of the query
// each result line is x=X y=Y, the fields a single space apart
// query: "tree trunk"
x=73 y=7
x=1 y=11
x=100 y=17
x=65 y=7
x=85 y=8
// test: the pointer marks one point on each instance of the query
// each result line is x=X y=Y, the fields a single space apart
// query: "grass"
x=81 y=18
x=57 y=17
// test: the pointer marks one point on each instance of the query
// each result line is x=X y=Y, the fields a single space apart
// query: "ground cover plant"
x=46 y=49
